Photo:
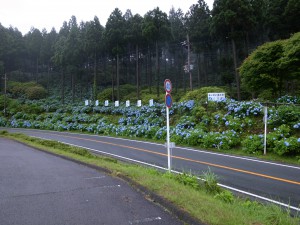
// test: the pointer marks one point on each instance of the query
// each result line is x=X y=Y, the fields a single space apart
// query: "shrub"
x=36 y=92
x=188 y=180
x=289 y=99
x=16 y=89
x=244 y=109
x=145 y=95
x=285 y=114
x=125 y=90
x=288 y=146
x=225 y=196
x=194 y=137
x=200 y=94
x=30 y=90
x=106 y=94
x=198 y=112
x=211 y=182
x=32 y=109
x=253 y=144
x=12 y=105
x=3 y=132
x=282 y=132
x=266 y=94
x=3 y=122
x=146 y=98
x=224 y=140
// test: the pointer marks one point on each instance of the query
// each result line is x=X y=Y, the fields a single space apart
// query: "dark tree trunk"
x=63 y=87
x=118 y=79
x=150 y=72
x=237 y=76
x=199 y=69
x=95 y=78
x=37 y=69
x=73 y=86
x=112 y=86
x=157 y=69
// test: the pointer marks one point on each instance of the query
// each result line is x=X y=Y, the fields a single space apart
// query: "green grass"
x=183 y=191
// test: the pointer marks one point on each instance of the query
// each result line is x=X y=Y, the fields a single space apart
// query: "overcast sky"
x=24 y=14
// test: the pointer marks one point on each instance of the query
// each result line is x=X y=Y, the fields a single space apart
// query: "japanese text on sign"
x=215 y=97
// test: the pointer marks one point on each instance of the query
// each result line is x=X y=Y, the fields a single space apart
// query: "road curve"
x=38 y=188
x=279 y=182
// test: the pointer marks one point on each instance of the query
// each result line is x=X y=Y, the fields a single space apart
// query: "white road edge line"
x=260 y=197
x=183 y=148
x=146 y=220
x=90 y=178
x=174 y=171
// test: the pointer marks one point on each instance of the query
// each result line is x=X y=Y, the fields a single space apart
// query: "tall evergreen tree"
x=276 y=21
x=60 y=57
x=292 y=16
x=198 y=21
x=34 y=41
x=114 y=34
x=156 y=28
x=74 y=52
x=233 y=19
x=178 y=35
x=93 y=45
x=134 y=35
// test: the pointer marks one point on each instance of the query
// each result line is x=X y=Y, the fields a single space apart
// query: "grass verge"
x=201 y=201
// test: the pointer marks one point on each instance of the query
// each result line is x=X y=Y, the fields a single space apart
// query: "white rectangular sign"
x=127 y=103
x=97 y=103
x=215 y=97
x=86 y=102
x=151 y=102
x=106 y=103
x=139 y=103
x=117 y=103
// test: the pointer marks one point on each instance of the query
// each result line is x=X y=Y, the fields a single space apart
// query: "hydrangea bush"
x=215 y=125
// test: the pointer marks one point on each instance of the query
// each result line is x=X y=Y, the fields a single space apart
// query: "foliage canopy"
x=272 y=65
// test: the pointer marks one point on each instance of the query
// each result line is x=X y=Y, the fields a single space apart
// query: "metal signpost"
x=168 y=101
x=265 y=122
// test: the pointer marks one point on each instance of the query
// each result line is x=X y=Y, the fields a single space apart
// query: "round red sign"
x=168 y=100
x=168 y=86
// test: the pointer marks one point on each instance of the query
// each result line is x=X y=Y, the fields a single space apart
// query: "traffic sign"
x=168 y=86
x=168 y=100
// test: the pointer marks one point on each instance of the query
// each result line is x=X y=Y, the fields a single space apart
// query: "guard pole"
x=265 y=122
x=168 y=140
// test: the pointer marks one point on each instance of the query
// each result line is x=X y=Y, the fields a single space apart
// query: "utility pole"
x=5 y=79
x=189 y=60
x=187 y=68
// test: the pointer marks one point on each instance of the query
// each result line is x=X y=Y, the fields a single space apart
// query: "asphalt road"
x=37 y=188
x=275 y=181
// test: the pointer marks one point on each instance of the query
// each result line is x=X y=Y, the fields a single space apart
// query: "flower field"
x=215 y=125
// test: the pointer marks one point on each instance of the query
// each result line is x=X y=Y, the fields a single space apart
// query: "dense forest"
x=198 y=48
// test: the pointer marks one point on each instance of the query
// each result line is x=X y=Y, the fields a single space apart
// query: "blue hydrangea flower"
x=296 y=126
